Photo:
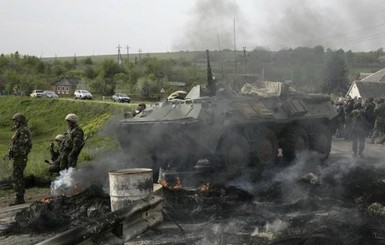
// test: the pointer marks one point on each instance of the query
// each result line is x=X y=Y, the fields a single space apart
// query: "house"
x=371 y=85
x=65 y=86
x=363 y=75
x=365 y=90
x=378 y=76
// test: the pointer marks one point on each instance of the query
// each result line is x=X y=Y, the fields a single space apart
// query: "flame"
x=204 y=187
x=163 y=182
x=178 y=184
x=46 y=200
x=77 y=189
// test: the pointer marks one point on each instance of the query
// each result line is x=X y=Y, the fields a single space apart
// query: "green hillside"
x=46 y=119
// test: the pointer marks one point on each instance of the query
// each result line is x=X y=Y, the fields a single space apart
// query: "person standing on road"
x=379 y=123
x=369 y=114
x=359 y=130
x=19 y=148
x=73 y=141
x=349 y=106
x=340 y=132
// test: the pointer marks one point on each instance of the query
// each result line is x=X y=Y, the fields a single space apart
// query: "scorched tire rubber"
x=296 y=141
x=233 y=155
x=320 y=140
x=264 y=147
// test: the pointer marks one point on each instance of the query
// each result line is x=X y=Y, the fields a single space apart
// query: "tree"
x=88 y=61
x=147 y=87
x=109 y=68
x=90 y=72
x=12 y=81
x=335 y=74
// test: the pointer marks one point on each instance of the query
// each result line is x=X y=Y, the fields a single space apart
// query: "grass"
x=46 y=120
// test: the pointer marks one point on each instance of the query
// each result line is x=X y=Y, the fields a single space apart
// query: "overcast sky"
x=46 y=28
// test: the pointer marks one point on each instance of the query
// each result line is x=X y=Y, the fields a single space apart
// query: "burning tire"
x=296 y=140
x=320 y=139
x=233 y=154
x=265 y=147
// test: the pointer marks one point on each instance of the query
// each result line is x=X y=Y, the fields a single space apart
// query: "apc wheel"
x=265 y=147
x=233 y=154
x=296 y=140
x=320 y=139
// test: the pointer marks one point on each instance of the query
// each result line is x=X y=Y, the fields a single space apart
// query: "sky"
x=48 y=28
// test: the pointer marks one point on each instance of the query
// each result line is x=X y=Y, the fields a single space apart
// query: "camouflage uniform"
x=340 y=132
x=379 y=123
x=19 y=148
x=349 y=106
x=369 y=114
x=59 y=160
x=73 y=143
x=54 y=149
x=359 y=129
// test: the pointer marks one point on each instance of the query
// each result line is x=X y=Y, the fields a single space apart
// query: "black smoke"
x=350 y=25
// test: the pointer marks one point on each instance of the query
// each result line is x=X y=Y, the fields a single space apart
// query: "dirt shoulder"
x=31 y=195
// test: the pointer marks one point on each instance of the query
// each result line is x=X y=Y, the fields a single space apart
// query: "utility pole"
x=244 y=60
x=75 y=60
x=140 y=56
x=235 y=51
x=220 y=55
x=119 y=55
x=128 y=54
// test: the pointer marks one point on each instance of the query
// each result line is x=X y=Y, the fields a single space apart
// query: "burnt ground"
x=336 y=202
x=307 y=202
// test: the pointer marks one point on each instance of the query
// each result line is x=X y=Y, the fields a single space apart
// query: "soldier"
x=73 y=142
x=369 y=114
x=340 y=132
x=379 y=123
x=349 y=106
x=19 y=148
x=54 y=147
x=359 y=129
x=57 y=157
x=141 y=107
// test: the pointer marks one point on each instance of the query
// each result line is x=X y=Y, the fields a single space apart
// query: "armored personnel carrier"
x=231 y=130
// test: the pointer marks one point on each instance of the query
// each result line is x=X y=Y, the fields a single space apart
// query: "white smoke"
x=64 y=184
x=276 y=226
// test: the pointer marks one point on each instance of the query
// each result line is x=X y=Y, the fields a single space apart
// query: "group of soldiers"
x=358 y=120
x=69 y=146
x=66 y=147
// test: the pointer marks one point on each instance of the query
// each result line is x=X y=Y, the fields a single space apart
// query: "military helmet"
x=72 y=117
x=20 y=118
x=59 y=137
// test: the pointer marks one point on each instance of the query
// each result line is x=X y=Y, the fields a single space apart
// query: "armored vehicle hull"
x=233 y=131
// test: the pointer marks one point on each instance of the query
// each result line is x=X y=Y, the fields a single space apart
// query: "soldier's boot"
x=18 y=200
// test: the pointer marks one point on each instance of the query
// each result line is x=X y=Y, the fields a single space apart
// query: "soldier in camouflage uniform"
x=359 y=129
x=379 y=123
x=73 y=142
x=369 y=114
x=56 y=150
x=19 y=148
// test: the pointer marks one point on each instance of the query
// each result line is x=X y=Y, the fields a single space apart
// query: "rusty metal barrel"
x=127 y=185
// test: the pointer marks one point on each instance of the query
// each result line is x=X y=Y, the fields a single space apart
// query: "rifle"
x=355 y=118
x=9 y=155
x=6 y=157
